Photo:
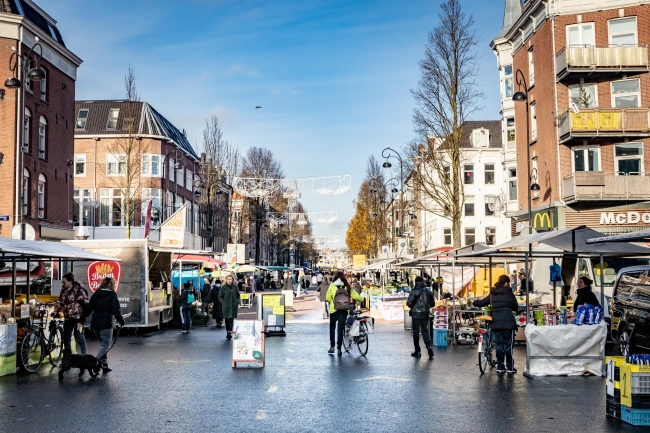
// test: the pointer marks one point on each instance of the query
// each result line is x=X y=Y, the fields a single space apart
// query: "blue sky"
x=333 y=77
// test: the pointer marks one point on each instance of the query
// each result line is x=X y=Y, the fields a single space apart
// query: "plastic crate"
x=616 y=398
x=637 y=417
x=633 y=383
x=618 y=361
x=440 y=337
x=640 y=401
x=613 y=410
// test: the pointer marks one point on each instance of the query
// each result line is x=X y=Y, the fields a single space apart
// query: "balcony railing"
x=601 y=59
x=599 y=185
x=603 y=122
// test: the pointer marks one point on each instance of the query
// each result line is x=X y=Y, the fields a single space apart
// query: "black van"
x=630 y=309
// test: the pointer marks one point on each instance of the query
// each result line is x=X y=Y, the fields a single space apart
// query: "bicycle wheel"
x=362 y=339
x=347 y=341
x=484 y=357
x=56 y=346
x=31 y=352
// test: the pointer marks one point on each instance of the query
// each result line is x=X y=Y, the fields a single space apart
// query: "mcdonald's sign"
x=545 y=220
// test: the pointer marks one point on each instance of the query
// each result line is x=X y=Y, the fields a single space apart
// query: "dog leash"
x=117 y=334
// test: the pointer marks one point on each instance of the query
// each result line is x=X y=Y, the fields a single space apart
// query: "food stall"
x=566 y=349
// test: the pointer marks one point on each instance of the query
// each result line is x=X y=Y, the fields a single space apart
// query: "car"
x=630 y=310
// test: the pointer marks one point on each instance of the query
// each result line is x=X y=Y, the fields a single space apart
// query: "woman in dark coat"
x=229 y=298
x=503 y=303
x=217 y=310
x=585 y=295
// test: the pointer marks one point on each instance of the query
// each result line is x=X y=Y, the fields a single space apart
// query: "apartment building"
x=585 y=64
x=162 y=163
x=36 y=122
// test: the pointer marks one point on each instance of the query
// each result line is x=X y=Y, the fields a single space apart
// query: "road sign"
x=4 y=217
x=23 y=231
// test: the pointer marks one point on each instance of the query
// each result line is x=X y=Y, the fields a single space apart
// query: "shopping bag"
x=354 y=329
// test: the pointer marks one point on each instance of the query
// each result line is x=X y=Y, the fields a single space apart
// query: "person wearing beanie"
x=420 y=302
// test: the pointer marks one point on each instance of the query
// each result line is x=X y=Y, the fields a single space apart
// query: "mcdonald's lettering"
x=542 y=221
x=609 y=218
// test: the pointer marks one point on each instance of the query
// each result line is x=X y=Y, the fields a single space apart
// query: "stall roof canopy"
x=447 y=257
x=15 y=249
x=640 y=236
x=571 y=240
x=206 y=260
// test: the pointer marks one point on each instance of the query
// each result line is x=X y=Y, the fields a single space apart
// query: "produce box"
x=638 y=417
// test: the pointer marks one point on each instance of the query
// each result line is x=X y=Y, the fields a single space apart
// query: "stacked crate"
x=635 y=394
x=613 y=404
x=440 y=325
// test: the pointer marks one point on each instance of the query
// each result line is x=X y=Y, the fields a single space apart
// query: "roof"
x=149 y=121
x=511 y=13
x=640 y=236
x=22 y=250
x=494 y=133
x=34 y=14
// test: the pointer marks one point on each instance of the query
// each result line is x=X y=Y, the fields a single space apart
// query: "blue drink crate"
x=637 y=417
x=440 y=337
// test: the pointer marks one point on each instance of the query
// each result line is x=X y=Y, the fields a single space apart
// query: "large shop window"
x=581 y=35
x=626 y=93
x=628 y=158
x=622 y=32
x=586 y=159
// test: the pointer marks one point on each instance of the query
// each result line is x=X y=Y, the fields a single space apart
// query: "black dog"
x=82 y=362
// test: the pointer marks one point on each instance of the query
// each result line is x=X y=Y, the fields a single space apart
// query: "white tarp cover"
x=15 y=248
x=566 y=340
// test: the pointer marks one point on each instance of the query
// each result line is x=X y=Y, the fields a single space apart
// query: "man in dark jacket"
x=217 y=310
x=420 y=302
x=105 y=308
x=503 y=321
x=205 y=296
x=186 y=299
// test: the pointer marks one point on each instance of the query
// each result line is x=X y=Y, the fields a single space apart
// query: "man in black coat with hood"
x=420 y=302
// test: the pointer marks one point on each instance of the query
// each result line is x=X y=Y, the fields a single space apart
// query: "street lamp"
x=386 y=153
x=523 y=97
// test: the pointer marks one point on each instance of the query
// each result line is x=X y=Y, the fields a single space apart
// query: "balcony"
x=592 y=123
x=598 y=185
x=599 y=60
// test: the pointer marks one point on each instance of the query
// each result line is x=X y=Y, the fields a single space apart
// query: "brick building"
x=167 y=170
x=36 y=124
x=585 y=63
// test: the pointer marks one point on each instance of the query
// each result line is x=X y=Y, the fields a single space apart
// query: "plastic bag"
x=581 y=314
x=599 y=314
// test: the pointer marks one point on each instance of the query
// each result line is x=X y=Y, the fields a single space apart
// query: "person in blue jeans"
x=186 y=299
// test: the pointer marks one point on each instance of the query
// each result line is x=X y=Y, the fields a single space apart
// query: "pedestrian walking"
x=319 y=277
x=338 y=295
x=287 y=284
x=503 y=303
x=205 y=296
x=72 y=300
x=186 y=299
x=322 y=294
x=105 y=308
x=420 y=302
x=303 y=282
x=217 y=309
x=229 y=298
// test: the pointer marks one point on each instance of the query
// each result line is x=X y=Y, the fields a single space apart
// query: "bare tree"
x=446 y=96
x=261 y=164
x=219 y=164
x=124 y=171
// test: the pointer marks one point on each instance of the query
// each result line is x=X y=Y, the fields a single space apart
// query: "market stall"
x=570 y=244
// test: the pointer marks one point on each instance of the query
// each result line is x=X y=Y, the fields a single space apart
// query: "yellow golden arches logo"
x=543 y=218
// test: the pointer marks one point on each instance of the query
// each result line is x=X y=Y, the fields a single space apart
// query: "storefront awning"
x=22 y=250
x=640 y=236
x=208 y=261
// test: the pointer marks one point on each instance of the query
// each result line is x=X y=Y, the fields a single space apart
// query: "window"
x=489 y=174
x=115 y=164
x=111 y=206
x=470 y=236
x=480 y=138
x=622 y=32
x=446 y=234
x=42 y=131
x=490 y=205
x=82 y=119
x=628 y=158
x=180 y=177
x=469 y=205
x=80 y=165
x=469 y=174
x=151 y=165
x=43 y=86
x=155 y=196
x=490 y=235
x=531 y=68
x=41 y=196
x=507 y=82
x=170 y=169
x=113 y=114
x=581 y=35
x=584 y=95
x=533 y=122
x=84 y=196
x=170 y=204
x=178 y=202
x=446 y=171
x=534 y=177
x=188 y=179
x=626 y=93
x=26 y=130
x=25 y=192
x=512 y=184
x=28 y=83
x=586 y=159
x=510 y=133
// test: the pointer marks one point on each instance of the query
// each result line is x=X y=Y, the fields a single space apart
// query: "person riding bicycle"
x=72 y=300
x=503 y=303
x=339 y=289
x=420 y=302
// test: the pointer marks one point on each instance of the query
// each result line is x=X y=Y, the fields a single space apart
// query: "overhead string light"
x=325 y=217
x=260 y=187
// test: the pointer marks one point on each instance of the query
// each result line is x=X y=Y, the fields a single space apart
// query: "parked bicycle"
x=486 y=344
x=36 y=345
x=357 y=333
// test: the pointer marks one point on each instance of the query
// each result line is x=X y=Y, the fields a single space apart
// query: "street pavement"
x=169 y=382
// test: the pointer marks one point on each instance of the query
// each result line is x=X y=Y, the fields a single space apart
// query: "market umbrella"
x=245 y=268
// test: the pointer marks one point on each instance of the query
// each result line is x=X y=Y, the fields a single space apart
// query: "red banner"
x=97 y=271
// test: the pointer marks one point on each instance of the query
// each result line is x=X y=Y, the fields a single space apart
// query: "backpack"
x=341 y=299
x=190 y=298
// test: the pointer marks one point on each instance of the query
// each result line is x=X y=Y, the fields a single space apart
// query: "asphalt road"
x=168 y=382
